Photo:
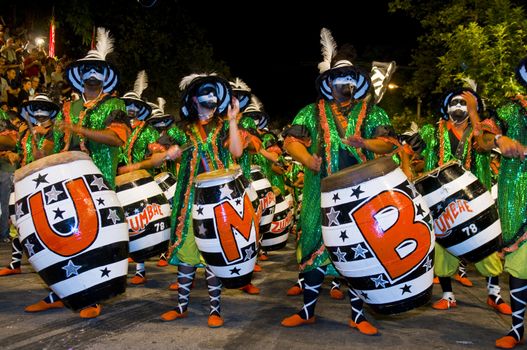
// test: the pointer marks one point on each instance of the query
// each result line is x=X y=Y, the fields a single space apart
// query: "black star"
x=343 y=235
x=420 y=210
x=356 y=192
x=235 y=271
x=105 y=272
x=100 y=201
x=40 y=179
x=406 y=289
x=335 y=197
x=238 y=201
x=364 y=295
x=58 y=213
x=200 y=210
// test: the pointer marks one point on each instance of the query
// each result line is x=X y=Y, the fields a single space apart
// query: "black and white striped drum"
x=251 y=192
x=168 y=183
x=12 y=215
x=224 y=227
x=147 y=212
x=265 y=192
x=73 y=228
x=466 y=221
x=276 y=237
x=378 y=231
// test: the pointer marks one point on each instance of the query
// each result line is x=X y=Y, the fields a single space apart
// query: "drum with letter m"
x=224 y=227
x=72 y=228
x=466 y=221
x=378 y=231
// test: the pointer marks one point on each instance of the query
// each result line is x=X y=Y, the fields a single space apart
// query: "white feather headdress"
x=255 y=105
x=141 y=83
x=239 y=84
x=161 y=102
x=329 y=49
x=189 y=78
x=104 y=43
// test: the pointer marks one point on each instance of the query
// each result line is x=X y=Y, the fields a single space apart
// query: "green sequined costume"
x=269 y=140
x=142 y=135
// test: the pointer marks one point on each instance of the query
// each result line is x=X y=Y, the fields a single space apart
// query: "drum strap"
x=461 y=145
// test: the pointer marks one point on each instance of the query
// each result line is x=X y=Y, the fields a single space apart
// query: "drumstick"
x=183 y=149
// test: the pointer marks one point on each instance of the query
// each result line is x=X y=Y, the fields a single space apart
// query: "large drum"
x=466 y=221
x=224 y=227
x=12 y=215
x=168 y=183
x=276 y=237
x=265 y=192
x=378 y=231
x=72 y=228
x=147 y=212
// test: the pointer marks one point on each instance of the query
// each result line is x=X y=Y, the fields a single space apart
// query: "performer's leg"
x=491 y=267
x=16 y=259
x=357 y=315
x=445 y=266
x=140 y=273
x=461 y=276
x=52 y=301
x=214 y=287
x=186 y=275
x=163 y=260
x=298 y=287
x=448 y=300
x=518 y=290
x=312 y=284
x=335 y=291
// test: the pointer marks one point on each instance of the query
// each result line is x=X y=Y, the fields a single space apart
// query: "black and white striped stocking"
x=140 y=269
x=518 y=290
x=357 y=307
x=214 y=287
x=185 y=276
x=16 y=253
x=312 y=284
x=493 y=289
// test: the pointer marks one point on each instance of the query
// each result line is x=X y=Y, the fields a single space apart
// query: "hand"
x=127 y=169
x=472 y=103
x=158 y=158
x=315 y=163
x=354 y=141
x=174 y=152
x=511 y=148
x=233 y=109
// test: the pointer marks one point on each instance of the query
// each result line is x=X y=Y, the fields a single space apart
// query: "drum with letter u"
x=168 y=183
x=265 y=192
x=466 y=221
x=378 y=231
x=147 y=212
x=73 y=228
x=276 y=237
x=224 y=227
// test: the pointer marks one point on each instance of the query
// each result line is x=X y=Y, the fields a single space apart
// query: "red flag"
x=51 y=52
x=93 y=39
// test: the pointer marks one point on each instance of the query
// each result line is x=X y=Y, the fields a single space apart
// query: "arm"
x=173 y=153
x=235 y=142
x=299 y=152
x=377 y=146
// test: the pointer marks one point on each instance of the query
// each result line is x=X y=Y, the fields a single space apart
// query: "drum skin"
x=224 y=227
x=147 y=212
x=72 y=228
x=378 y=231
x=466 y=220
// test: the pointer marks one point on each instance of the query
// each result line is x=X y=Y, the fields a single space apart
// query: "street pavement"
x=132 y=320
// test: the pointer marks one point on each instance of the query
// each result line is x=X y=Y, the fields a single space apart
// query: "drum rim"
x=439 y=169
x=131 y=176
x=49 y=161
x=164 y=173
x=255 y=168
x=209 y=176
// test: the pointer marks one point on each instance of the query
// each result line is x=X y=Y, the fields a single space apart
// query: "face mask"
x=132 y=110
x=209 y=101
x=93 y=74
x=457 y=109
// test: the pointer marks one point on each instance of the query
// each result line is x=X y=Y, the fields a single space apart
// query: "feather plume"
x=104 y=42
x=141 y=83
x=161 y=104
x=471 y=83
x=240 y=85
x=329 y=49
x=256 y=104
x=189 y=78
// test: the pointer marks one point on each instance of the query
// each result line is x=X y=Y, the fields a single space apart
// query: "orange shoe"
x=91 y=311
x=294 y=290
x=138 y=279
x=43 y=306
x=263 y=257
x=172 y=315
x=364 y=327
x=336 y=294
x=444 y=304
x=463 y=280
x=215 y=321
x=296 y=320
x=257 y=268
x=162 y=263
x=174 y=286
x=436 y=280
x=508 y=342
x=502 y=308
x=250 y=289
x=130 y=260
x=6 y=271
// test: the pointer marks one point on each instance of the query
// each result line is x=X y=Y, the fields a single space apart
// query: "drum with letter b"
x=378 y=231
x=224 y=227
x=466 y=221
x=276 y=237
x=168 y=183
x=147 y=212
x=73 y=228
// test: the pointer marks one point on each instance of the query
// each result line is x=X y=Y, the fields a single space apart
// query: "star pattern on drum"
x=235 y=270
x=412 y=188
x=420 y=210
x=53 y=194
x=364 y=295
x=100 y=201
x=379 y=281
x=225 y=191
x=113 y=216
x=406 y=289
x=238 y=201
x=428 y=263
x=40 y=179
x=99 y=182
x=105 y=272
x=248 y=253
x=58 y=213
x=343 y=235
x=18 y=211
x=200 y=210
x=29 y=248
x=359 y=251
x=71 y=269
x=336 y=197
x=341 y=256
x=332 y=216
x=356 y=192
x=202 y=231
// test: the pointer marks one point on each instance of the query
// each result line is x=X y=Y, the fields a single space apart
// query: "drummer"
x=206 y=100
x=457 y=139
x=336 y=132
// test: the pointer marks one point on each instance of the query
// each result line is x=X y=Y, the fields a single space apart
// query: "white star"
x=379 y=281
x=428 y=263
x=359 y=251
x=225 y=191
x=136 y=211
x=332 y=216
x=71 y=269
x=29 y=248
x=99 y=182
x=340 y=255
x=113 y=216
x=53 y=195
x=126 y=214
x=411 y=187
x=19 y=211
x=248 y=253
x=202 y=230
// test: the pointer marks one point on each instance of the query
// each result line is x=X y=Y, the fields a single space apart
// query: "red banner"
x=51 y=52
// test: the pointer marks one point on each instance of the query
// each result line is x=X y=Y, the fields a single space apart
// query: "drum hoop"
x=357 y=174
x=162 y=175
x=215 y=175
x=131 y=176
x=256 y=168
x=49 y=161
x=434 y=173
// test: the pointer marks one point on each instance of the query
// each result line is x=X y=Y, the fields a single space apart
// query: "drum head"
x=49 y=161
x=131 y=176
x=436 y=171
x=215 y=177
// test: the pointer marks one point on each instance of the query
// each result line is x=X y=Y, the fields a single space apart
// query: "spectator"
x=3 y=81
x=13 y=88
x=23 y=95
x=32 y=64
x=35 y=87
x=58 y=74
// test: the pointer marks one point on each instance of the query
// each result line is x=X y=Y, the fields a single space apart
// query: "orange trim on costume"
x=290 y=139
x=121 y=130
